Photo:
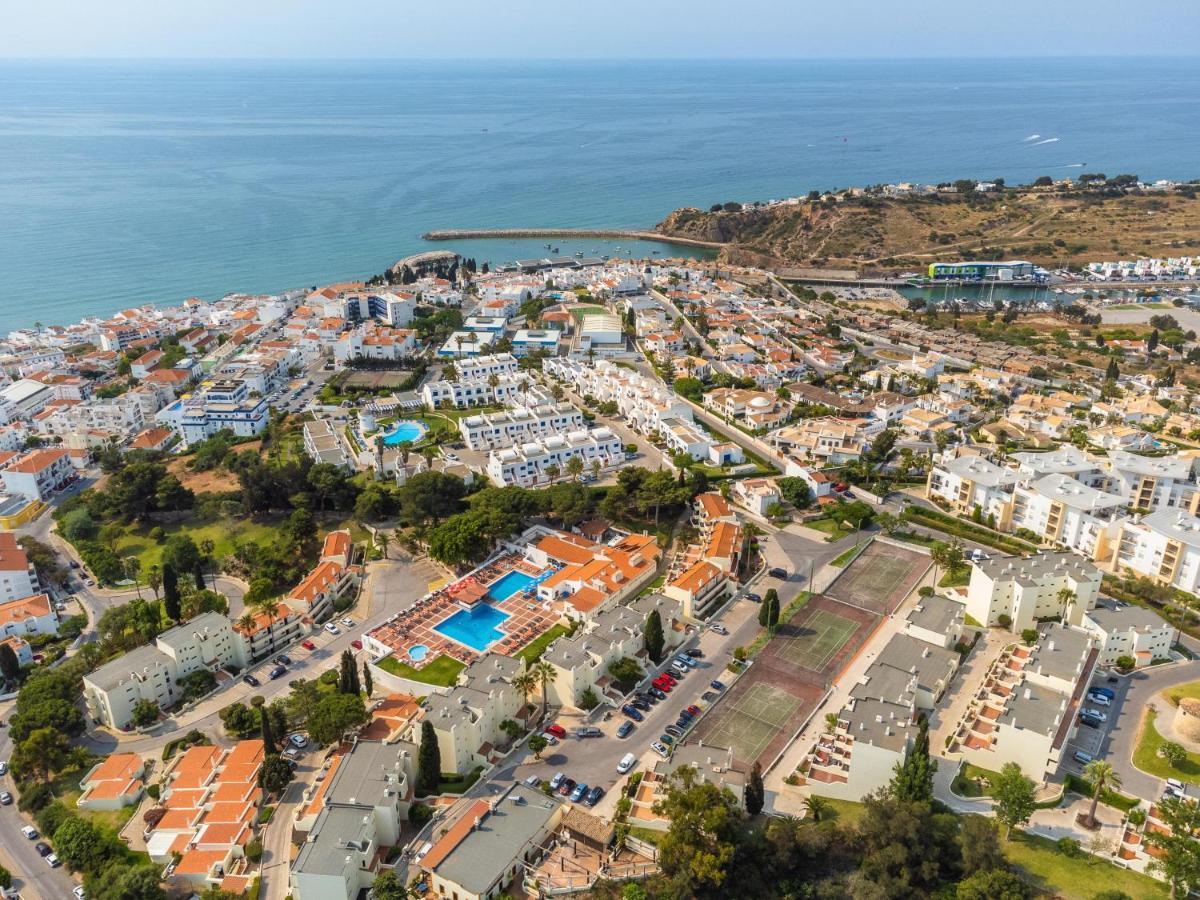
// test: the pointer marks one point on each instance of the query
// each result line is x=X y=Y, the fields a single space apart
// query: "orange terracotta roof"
x=36 y=461
x=455 y=835
x=317 y=581
x=200 y=862
x=567 y=551
x=696 y=577
x=586 y=599
x=32 y=607
x=12 y=557
x=119 y=765
x=337 y=543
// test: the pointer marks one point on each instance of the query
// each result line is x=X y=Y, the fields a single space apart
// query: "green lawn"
x=532 y=651
x=1146 y=758
x=1180 y=691
x=649 y=835
x=960 y=577
x=136 y=540
x=834 y=531
x=844 y=558
x=847 y=812
x=966 y=781
x=1075 y=878
x=453 y=783
x=442 y=672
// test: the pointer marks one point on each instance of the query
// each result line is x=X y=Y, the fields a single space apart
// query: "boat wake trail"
x=1046 y=141
x=1032 y=137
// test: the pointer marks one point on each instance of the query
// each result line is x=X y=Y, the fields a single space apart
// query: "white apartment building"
x=1067 y=460
x=1164 y=546
x=23 y=399
x=1061 y=510
x=642 y=402
x=37 y=474
x=1122 y=629
x=29 y=615
x=153 y=671
x=527 y=464
x=485 y=366
x=1027 y=590
x=684 y=436
x=219 y=405
x=476 y=391
x=121 y=417
x=495 y=431
x=467 y=719
x=1153 y=483
x=966 y=482
x=18 y=578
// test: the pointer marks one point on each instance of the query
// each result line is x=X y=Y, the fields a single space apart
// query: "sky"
x=604 y=29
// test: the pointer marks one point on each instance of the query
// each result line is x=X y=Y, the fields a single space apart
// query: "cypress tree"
x=1112 y=373
x=429 y=761
x=367 y=681
x=268 y=735
x=756 y=793
x=198 y=573
x=913 y=781
x=653 y=633
x=170 y=585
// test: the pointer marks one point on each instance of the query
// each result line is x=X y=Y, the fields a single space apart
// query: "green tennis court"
x=749 y=725
x=819 y=637
x=879 y=579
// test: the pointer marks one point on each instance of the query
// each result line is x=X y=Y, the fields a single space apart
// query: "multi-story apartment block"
x=1153 y=483
x=1049 y=585
x=1164 y=546
x=219 y=405
x=1122 y=629
x=37 y=474
x=18 y=578
x=1061 y=510
x=467 y=719
x=530 y=464
x=495 y=431
x=476 y=391
x=644 y=403
x=967 y=482
x=28 y=616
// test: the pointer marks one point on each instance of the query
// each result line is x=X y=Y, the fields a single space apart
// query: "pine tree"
x=429 y=761
x=170 y=584
x=756 y=793
x=653 y=633
x=913 y=781
x=264 y=724
x=368 y=682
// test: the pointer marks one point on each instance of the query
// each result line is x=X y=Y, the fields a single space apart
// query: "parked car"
x=1099 y=699
x=580 y=791
x=1104 y=692
x=299 y=741
x=533 y=781
x=628 y=761
x=717 y=685
x=550 y=739
x=356 y=644
x=30 y=832
x=632 y=713
x=588 y=731
x=660 y=749
x=648 y=696
x=657 y=693
x=349 y=623
x=695 y=653
x=674 y=730
x=291 y=753
x=308 y=645
x=708 y=697
x=1096 y=714
x=694 y=709
x=1082 y=758
x=283 y=660
x=557 y=730
x=565 y=788
x=639 y=703
x=686 y=662
x=663 y=686
x=42 y=848
x=277 y=672
x=777 y=572
x=718 y=628
x=251 y=680
x=666 y=739
x=557 y=780
x=79 y=892
x=3 y=767
x=52 y=861
x=625 y=729
x=752 y=597
x=1089 y=721
x=331 y=628
x=594 y=795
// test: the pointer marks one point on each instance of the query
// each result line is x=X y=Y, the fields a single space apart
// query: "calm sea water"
x=130 y=182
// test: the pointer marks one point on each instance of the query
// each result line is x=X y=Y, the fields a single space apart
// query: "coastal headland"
x=460 y=234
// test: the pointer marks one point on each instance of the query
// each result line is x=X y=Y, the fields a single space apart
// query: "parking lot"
x=1095 y=741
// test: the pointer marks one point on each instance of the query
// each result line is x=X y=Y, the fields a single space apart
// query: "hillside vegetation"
x=876 y=234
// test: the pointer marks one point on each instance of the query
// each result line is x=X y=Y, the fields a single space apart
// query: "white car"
x=3 y=767
x=79 y=892
x=349 y=623
x=718 y=628
x=1096 y=714
x=660 y=749
x=299 y=741
x=331 y=628
x=53 y=861
x=30 y=832
x=1099 y=700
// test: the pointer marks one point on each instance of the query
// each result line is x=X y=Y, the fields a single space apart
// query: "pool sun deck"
x=527 y=617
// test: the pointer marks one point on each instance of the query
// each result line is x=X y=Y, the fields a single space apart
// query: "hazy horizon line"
x=975 y=57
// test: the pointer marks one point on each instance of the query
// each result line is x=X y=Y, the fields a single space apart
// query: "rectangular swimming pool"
x=508 y=584
x=475 y=627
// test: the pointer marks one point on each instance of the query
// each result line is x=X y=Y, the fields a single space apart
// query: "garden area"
x=441 y=672
x=974 y=781
x=1148 y=755
x=1078 y=876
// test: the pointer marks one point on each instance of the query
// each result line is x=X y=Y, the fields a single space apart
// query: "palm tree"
x=381 y=541
x=154 y=579
x=208 y=547
x=552 y=471
x=544 y=673
x=133 y=566
x=246 y=622
x=1102 y=775
x=817 y=807
x=596 y=467
x=575 y=466
x=526 y=683
x=1067 y=598
x=268 y=606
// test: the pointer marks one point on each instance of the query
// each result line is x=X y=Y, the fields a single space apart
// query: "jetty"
x=461 y=234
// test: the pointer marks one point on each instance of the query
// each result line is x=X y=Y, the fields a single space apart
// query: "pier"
x=460 y=234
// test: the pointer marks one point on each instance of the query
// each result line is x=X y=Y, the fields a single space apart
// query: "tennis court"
x=748 y=724
x=818 y=637
x=880 y=578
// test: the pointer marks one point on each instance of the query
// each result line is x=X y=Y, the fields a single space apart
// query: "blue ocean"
x=128 y=182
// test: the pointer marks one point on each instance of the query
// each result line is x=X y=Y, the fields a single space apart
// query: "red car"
x=308 y=645
x=356 y=644
x=557 y=730
x=669 y=679
x=663 y=684
x=694 y=710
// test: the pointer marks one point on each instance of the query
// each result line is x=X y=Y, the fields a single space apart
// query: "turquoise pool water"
x=404 y=430
x=475 y=627
x=510 y=583
x=418 y=652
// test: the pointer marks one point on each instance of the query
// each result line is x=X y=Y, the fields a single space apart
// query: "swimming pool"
x=418 y=652
x=404 y=430
x=475 y=627
x=510 y=583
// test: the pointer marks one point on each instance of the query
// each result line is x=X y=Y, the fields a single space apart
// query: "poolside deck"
x=528 y=617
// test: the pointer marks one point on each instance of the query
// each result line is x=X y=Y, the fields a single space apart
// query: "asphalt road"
x=31 y=876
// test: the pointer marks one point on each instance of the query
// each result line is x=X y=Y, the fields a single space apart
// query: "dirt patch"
x=212 y=480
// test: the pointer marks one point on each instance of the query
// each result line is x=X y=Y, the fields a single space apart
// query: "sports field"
x=880 y=578
x=748 y=723
x=376 y=379
x=818 y=638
